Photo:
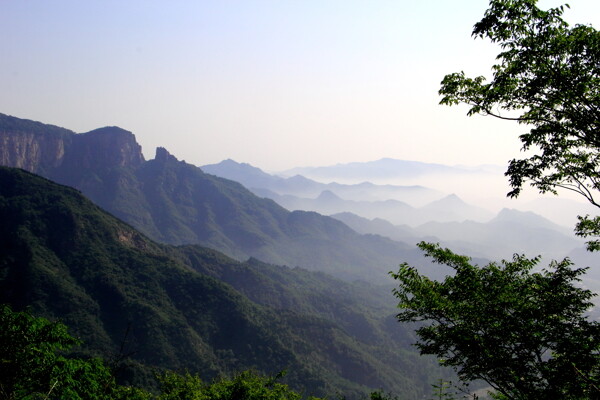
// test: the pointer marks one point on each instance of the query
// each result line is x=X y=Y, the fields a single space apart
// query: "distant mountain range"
x=389 y=202
x=510 y=232
x=177 y=203
x=448 y=219
x=386 y=169
x=449 y=208
x=149 y=306
x=261 y=182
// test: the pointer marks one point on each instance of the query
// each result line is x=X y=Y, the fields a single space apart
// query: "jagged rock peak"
x=31 y=145
x=163 y=155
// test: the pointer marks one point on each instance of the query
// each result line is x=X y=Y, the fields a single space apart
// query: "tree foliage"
x=523 y=332
x=33 y=364
x=547 y=77
x=247 y=385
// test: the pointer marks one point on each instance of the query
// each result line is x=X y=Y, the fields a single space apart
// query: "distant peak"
x=511 y=214
x=328 y=195
x=232 y=165
x=453 y=197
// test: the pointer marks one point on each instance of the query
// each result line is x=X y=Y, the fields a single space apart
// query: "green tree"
x=547 y=77
x=522 y=332
x=442 y=390
x=247 y=385
x=33 y=364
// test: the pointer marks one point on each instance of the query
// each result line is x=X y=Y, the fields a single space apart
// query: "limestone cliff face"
x=31 y=152
x=52 y=151
x=31 y=145
x=105 y=147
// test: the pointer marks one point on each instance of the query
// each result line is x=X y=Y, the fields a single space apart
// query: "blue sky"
x=277 y=84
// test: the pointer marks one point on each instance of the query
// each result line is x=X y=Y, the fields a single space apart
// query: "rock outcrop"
x=45 y=149
x=31 y=145
x=105 y=147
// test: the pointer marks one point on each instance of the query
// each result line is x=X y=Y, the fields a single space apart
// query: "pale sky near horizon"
x=277 y=84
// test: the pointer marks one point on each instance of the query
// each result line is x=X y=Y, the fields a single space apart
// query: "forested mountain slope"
x=193 y=308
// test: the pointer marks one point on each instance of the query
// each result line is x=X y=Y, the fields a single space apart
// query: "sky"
x=277 y=84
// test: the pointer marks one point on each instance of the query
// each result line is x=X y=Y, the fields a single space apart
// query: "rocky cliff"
x=106 y=147
x=44 y=149
x=31 y=145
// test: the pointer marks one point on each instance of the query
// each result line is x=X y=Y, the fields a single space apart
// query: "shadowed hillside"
x=194 y=308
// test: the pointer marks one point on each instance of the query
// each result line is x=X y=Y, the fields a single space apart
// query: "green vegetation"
x=523 y=331
x=191 y=308
x=33 y=366
x=548 y=78
x=244 y=386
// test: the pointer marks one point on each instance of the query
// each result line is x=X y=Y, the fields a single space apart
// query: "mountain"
x=560 y=210
x=191 y=308
x=452 y=208
x=177 y=203
x=378 y=226
x=510 y=232
x=447 y=209
x=385 y=169
x=261 y=182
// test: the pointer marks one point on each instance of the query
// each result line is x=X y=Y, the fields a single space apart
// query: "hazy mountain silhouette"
x=385 y=169
x=261 y=182
x=506 y=235
x=510 y=232
x=449 y=208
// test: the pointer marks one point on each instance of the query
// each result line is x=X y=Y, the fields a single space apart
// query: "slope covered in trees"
x=190 y=307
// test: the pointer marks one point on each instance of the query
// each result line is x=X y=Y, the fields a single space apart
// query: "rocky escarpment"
x=105 y=148
x=48 y=150
x=31 y=145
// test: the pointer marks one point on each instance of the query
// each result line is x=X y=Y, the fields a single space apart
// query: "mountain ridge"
x=384 y=169
x=177 y=203
x=254 y=178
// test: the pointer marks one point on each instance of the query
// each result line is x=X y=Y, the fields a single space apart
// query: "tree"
x=247 y=385
x=522 y=332
x=548 y=78
x=33 y=364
